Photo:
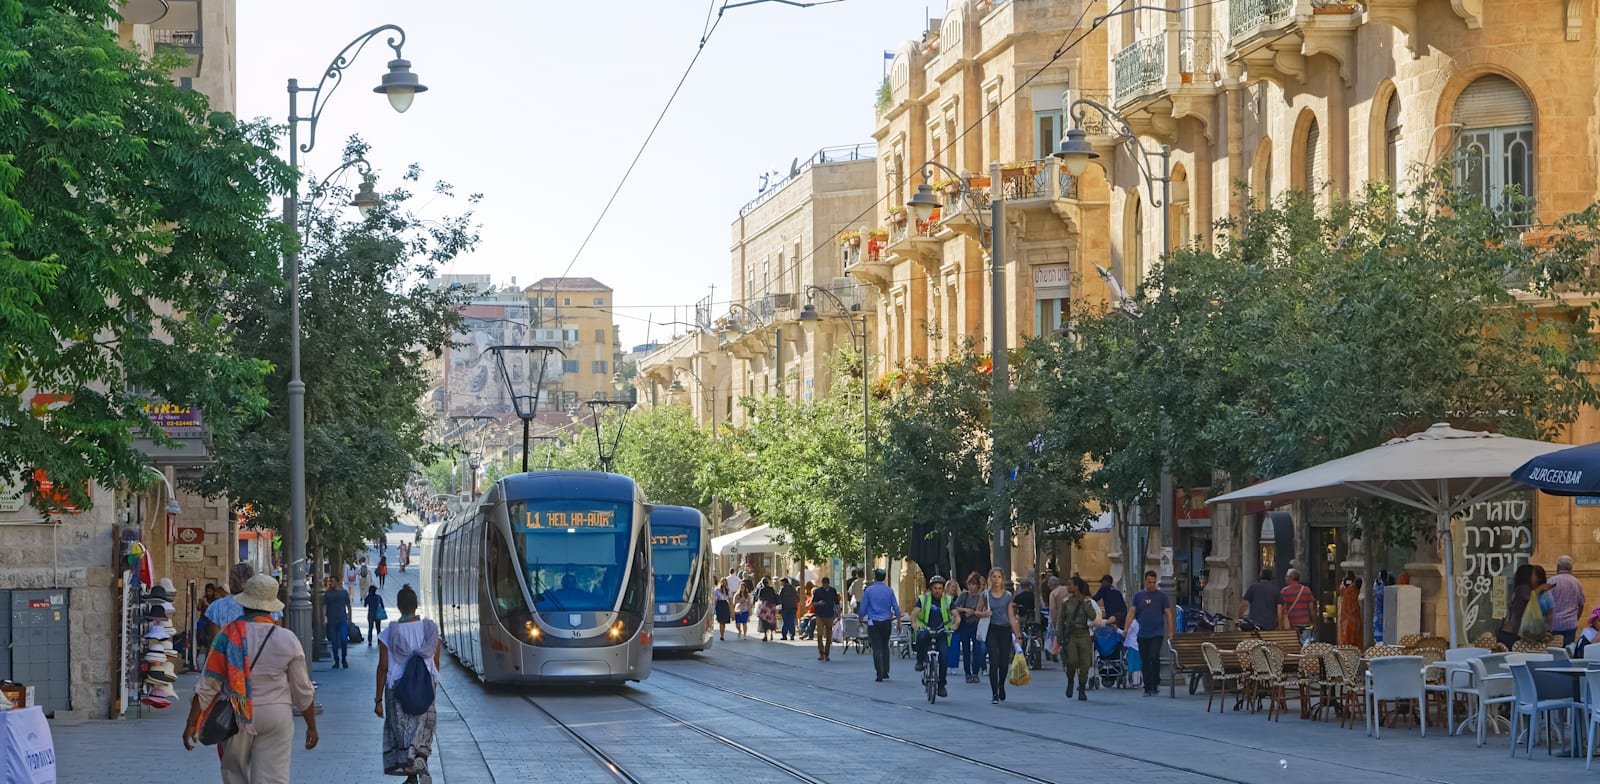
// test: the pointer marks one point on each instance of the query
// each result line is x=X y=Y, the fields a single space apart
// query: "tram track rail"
x=622 y=774
x=981 y=763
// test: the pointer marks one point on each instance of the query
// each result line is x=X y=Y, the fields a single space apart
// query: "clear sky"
x=540 y=105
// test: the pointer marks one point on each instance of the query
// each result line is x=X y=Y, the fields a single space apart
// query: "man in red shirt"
x=1296 y=602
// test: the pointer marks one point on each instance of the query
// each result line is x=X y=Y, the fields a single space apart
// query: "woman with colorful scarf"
x=264 y=675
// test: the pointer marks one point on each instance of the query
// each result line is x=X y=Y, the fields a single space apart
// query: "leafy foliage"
x=128 y=212
x=369 y=321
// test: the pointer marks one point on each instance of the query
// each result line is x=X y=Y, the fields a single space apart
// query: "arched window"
x=1261 y=174
x=1310 y=171
x=1392 y=159
x=1495 y=142
x=1133 y=244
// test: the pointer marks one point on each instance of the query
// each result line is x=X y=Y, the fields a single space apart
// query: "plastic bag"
x=1019 y=671
x=1532 y=627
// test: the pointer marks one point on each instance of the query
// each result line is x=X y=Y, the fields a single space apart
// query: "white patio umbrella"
x=760 y=539
x=1440 y=470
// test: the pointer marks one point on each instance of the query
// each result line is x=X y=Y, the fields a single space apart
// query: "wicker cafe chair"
x=1488 y=640
x=1410 y=640
x=1313 y=674
x=1380 y=651
x=1220 y=678
x=1352 y=692
x=1247 y=680
x=1267 y=660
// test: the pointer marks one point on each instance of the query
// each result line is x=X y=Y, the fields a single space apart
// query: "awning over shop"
x=760 y=539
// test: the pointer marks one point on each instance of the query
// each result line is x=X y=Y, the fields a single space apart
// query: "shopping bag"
x=838 y=632
x=1532 y=627
x=1019 y=671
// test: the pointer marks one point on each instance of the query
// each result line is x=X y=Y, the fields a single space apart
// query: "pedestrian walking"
x=364 y=574
x=973 y=646
x=742 y=602
x=724 y=609
x=336 y=620
x=788 y=607
x=999 y=607
x=405 y=555
x=263 y=675
x=376 y=614
x=879 y=609
x=382 y=570
x=407 y=651
x=825 y=609
x=767 y=609
x=1076 y=619
x=1260 y=602
x=1152 y=612
x=1113 y=605
x=732 y=582
x=1295 y=603
x=1566 y=601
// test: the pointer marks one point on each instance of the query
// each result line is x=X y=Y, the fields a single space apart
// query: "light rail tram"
x=681 y=553
x=548 y=580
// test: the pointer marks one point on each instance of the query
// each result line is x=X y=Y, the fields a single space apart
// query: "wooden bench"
x=1187 y=659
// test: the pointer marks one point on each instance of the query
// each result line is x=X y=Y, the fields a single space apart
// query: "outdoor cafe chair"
x=1528 y=703
x=1220 y=678
x=1445 y=674
x=1491 y=686
x=1394 y=679
x=1591 y=652
x=1591 y=682
x=1352 y=694
x=1558 y=653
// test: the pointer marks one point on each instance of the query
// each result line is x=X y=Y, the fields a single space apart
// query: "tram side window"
x=633 y=599
x=501 y=573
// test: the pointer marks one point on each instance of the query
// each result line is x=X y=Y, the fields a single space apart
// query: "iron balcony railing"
x=1140 y=66
x=1199 y=53
x=1045 y=178
x=1245 y=16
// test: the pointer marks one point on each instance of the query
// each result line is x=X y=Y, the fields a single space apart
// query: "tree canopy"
x=128 y=211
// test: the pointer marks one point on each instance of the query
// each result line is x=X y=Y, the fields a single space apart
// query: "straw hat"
x=261 y=593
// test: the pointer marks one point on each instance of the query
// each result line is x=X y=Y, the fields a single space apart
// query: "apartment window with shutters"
x=1049 y=119
x=1312 y=172
x=600 y=336
x=1495 y=142
x=569 y=365
x=598 y=367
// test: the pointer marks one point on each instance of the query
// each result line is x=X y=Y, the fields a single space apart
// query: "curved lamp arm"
x=334 y=75
x=849 y=316
x=750 y=314
x=969 y=198
x=1125 y=133
x=359 y=164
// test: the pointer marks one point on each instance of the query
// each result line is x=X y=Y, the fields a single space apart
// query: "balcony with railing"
x=1167 y=76
x=862 y=254
x=1273 y=38
x=186 y=42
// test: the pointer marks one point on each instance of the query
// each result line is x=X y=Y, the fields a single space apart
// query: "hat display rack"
x=149 y=656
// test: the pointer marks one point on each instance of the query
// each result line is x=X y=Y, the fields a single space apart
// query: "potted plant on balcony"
x=850 y=239
x=950 y=186
x=897 y=216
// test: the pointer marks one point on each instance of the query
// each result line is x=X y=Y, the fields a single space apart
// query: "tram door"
x=473 y=574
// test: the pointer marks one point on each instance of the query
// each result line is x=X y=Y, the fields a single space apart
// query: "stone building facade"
x=1325 y=97
x=69 y=572
x=579 y=312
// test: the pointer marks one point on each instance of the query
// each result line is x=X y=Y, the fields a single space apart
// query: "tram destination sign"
x=539 y=520
x=669 y=540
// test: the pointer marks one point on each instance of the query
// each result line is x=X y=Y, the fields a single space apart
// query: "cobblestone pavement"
x=772 y=712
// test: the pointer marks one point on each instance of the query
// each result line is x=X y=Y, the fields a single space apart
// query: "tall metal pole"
x=866 y=431
x=1000 y=376
x=524 y=446
x=299 y=609
x=1167 y=581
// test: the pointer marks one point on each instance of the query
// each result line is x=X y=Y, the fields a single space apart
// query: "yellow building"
x=1283 y=94
x=956 y=96
x=580 y=308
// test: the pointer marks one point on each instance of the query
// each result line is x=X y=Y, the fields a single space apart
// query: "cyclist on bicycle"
x=931 y=620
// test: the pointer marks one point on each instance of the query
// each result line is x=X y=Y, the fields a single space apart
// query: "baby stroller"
x=1110 y=660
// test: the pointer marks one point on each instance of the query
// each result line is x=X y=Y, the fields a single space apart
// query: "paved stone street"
x=767 y=711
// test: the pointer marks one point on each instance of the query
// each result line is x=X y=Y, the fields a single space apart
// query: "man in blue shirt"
x=1153 y=613
x=879 y=609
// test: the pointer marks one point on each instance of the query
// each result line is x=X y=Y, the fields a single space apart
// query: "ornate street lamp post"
x=516 y=370
x=400 y=85
x=858 y=341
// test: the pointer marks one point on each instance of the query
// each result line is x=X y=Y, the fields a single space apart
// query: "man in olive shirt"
x=1260 y=603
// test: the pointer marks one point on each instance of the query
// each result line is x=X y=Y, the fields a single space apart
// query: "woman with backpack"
x=408 y=668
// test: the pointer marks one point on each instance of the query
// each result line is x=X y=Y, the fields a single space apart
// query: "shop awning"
x=760 y=539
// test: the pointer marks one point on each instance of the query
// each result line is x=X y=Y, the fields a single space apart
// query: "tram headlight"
x=616 y=629
x=532 y=630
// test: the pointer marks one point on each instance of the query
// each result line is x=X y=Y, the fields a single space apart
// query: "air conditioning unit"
x=783 y=301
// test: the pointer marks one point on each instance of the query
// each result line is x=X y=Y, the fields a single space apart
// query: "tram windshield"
x=674 y=552
x=574 y=552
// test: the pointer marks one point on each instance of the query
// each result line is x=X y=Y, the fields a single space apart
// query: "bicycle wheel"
x=930 y=681
x=1035 y=653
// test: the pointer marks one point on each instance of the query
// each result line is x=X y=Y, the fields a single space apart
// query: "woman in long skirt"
x=407 y=738
x=724 y=609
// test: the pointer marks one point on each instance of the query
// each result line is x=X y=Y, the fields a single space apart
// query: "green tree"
x=128 y=212
x=1314 y=331
x=370 y=320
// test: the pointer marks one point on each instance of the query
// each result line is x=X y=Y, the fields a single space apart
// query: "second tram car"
x=681 y=553
x=548 y=581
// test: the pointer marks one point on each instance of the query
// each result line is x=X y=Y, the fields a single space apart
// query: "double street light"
x=524 y=387
x=400 y=85
x=1075 y=153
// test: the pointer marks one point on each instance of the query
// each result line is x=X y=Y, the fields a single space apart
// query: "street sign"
x=191 y=536
x=188 y=553
x=1586 y=500
x=1166 y=562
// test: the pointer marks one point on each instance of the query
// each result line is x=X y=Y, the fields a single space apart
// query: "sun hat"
x=158 y=633
x=155 y=700
x=160 y=677
x=157 y=594
x=260 y=593
x=165 y=584
x=155 y=613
